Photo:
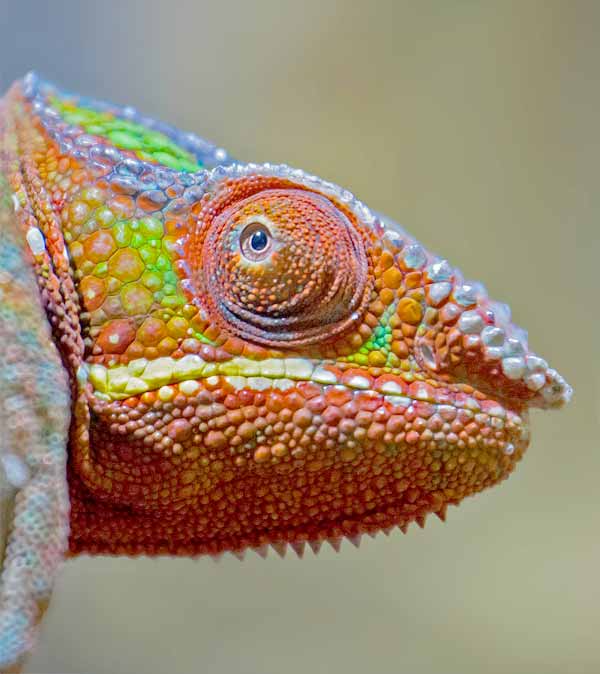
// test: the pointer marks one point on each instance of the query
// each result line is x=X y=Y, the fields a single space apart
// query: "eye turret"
x=283 y=267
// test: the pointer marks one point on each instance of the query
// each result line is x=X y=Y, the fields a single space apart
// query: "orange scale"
x=93 y=291
x=122 y=206
x=377 y=307
x=338 y=397
x=136 y=299
x=274 y=401
x=368 y=402
x=424 y=410
x=309 y=390
x=386 y=296
x=177 y=327
x=351 y=373
x=386 y=260
x=80 y=176
x=135 y=350
x=219 y=354
x=420 y=389
x=408 y=331
x=126 y=265
x=167 y=346
x=175 y=227
x=116 y=336
x=392 y=278
x=99 y=246
x=112 y=307
x=151 y=352
x=413 y=279
x=112 y=285
x=380 y=381
x=64 y=164
x=254 y=351
x=102 y=185
x=234 y=346
x=151 y=331
x=173 y=191
x=78 y=212
x=294 y=400
x=211 y=332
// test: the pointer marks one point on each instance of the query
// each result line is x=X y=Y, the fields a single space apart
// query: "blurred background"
x=475 y=125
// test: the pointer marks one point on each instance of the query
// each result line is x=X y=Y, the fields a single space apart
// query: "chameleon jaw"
x=183 y=466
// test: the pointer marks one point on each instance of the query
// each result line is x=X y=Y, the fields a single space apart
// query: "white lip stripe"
x=140 y=375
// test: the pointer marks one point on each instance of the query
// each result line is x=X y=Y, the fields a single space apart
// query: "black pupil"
x=259 y=240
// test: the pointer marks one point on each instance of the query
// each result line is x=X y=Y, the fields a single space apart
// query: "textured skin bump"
x=255 y=358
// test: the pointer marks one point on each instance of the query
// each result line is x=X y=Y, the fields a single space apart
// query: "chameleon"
x=204 y=356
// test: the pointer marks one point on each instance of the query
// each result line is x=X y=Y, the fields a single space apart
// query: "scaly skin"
x=255 y=358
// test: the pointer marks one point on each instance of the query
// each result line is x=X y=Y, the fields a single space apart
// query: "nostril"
x=556 y=392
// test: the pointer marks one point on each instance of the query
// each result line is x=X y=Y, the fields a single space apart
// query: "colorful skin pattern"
x=255 y=358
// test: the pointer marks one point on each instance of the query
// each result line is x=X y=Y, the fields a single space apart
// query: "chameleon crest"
x=255 y=358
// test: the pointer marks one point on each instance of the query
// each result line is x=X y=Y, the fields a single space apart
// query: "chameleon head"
x=258 y=357
x=322 y=376
x=254 y=357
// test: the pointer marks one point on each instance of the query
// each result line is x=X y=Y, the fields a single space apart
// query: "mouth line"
x=397 y=389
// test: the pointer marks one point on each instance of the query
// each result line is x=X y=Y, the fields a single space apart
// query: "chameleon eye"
x=282 y=267
x=255 y=241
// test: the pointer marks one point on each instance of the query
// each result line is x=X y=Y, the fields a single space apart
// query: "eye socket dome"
x=256 y=241
x=281 y=265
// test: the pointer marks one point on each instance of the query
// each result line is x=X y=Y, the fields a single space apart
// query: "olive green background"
x=475 y=125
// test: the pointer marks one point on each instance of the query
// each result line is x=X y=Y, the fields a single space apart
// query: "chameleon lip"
x=163 y=374
x=142 y=375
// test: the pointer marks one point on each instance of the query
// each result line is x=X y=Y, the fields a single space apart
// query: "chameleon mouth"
x=141 y=375
x=398 y=388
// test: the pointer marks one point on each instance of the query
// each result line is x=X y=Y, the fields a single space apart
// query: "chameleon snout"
x=467 y=337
